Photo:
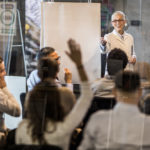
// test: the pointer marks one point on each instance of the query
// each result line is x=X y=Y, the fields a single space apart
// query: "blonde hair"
x=143 y=68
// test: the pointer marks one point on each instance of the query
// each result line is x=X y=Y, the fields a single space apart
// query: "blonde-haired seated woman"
x=49 y=118
x=143 y=68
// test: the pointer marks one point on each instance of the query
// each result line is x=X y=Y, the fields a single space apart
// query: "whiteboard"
x=80 y=21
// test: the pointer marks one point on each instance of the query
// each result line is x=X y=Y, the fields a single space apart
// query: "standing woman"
x=119 y=38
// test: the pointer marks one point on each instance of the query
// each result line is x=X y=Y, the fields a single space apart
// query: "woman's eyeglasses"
x=115 y=21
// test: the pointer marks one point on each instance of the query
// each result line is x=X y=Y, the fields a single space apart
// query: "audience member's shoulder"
x=65 y=92
x=23 y=122
x=96 y=82
x=64 y=89
x=21 y=130
x=101 y=115
x=99 y=81
x=34 y=72
x=33 y=76
x=98 y=119
x=22 y=125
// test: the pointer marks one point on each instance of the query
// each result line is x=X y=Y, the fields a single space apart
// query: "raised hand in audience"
x=75 y=55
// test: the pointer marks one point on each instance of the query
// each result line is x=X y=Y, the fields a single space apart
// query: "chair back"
x=22 y=100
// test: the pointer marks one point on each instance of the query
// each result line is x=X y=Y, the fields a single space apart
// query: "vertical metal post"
x=22 y=43
x=22 y=46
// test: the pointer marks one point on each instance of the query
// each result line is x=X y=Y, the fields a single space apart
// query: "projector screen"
x=80 y=21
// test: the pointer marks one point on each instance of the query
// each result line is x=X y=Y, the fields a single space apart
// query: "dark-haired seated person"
x=116 y=61
x=8 y=103
x=51 y=116
x=123 y=126
x=34 y=77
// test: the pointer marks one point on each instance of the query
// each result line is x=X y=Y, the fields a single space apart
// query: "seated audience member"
x=116 y=61
x=51 y=53
x=51 y=116
x=48 y=69
x=8 y=103
x=124 y=125
x=143 y=68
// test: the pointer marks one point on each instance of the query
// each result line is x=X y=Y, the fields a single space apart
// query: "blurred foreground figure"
x=51 y=113
x=34 y=78
x=8 y=103
x=123 y=127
